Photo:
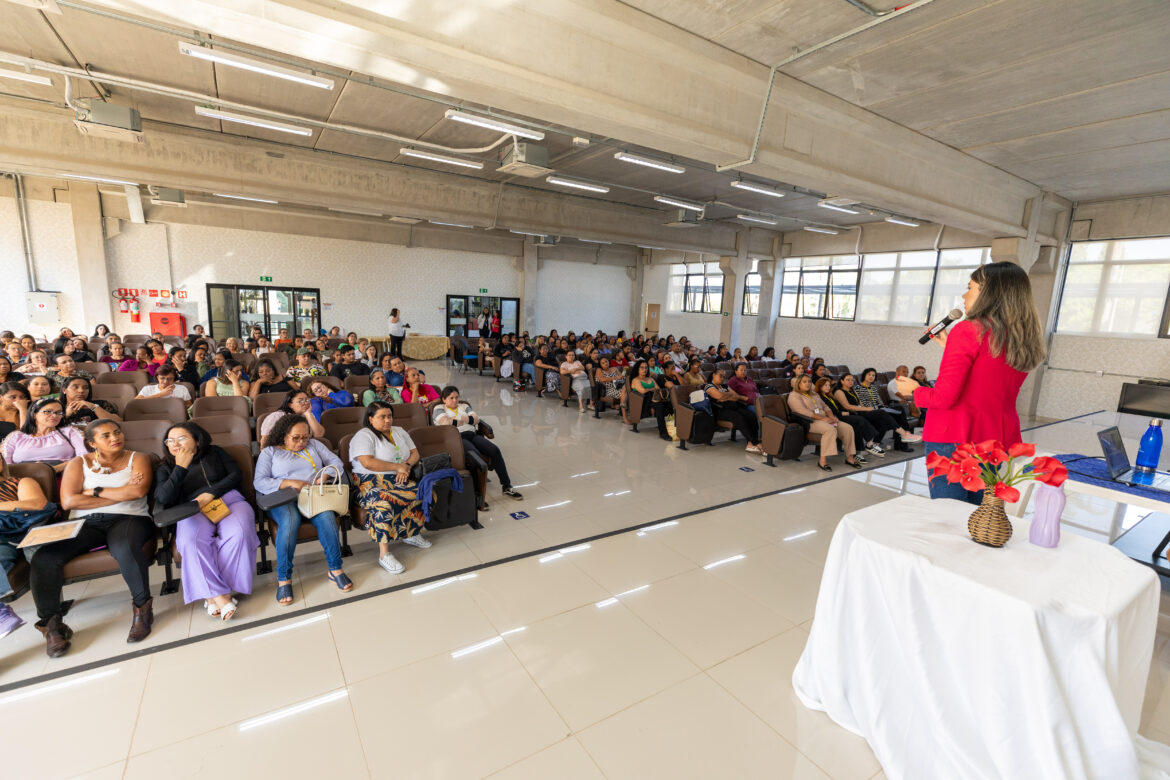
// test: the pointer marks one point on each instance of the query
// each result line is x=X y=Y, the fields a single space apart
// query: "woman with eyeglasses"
x=108 y=489
x=323 y=397
x=296 y=403
x=218 y=552
x=291 y=458
x=381 y=455
x=43 y=437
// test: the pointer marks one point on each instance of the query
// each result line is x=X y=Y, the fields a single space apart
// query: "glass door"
x=223 y=313
x=457 y=316
x=509 y=315
x=280 y=313
x=308 y=311
x=252 y=304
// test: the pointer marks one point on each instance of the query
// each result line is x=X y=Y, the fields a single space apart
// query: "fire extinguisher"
x=123 y=305
x=134 y=311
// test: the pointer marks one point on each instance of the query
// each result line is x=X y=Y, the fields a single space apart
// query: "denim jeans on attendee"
x=940 y=488
x=9 y=555
x=288 y=520
x=530 y=369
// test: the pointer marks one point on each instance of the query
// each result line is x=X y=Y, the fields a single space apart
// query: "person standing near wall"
x=397 y=333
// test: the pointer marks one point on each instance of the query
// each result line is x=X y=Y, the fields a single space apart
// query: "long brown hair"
x=1006 y=311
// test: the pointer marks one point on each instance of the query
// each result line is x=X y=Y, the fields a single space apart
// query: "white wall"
x=54 y=254
x=702 y=329
x=362 y=280
x=576 y=296
x=858 y=345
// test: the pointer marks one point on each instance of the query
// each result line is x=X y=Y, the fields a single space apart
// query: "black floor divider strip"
x=42 y=678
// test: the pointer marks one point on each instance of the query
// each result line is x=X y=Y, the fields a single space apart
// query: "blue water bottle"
x=1150 y=449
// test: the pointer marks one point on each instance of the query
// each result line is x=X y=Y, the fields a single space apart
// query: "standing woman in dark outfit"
x=986 y=358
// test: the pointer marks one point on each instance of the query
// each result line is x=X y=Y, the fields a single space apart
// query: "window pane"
x=714 y=299
x=954 y=270
x=789 y=293
x=1116 y=287
x=693 y=300
x=674 y=292
x=813 y=291
x=843 y=295
x=751 y=293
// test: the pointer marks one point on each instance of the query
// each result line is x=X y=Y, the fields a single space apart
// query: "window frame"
x=706 y=304
x=747 y=285
x=830 y=270
x=1162 y=328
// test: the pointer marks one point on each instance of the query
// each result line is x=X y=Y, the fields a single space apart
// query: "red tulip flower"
x=1006 y=492
x=938 y=465
x=971 y=474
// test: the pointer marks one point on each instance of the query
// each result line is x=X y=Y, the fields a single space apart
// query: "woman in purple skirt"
x=218 y=555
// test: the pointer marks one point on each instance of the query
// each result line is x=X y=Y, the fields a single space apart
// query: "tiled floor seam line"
x=17 y=685
x=349 y=699
x=137 y=716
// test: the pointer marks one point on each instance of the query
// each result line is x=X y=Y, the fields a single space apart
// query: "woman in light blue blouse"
x=289 y=459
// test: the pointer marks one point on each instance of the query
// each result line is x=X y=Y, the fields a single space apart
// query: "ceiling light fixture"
x=101 y=179
x=592 y=241
x=527 y=233
x=826 y=205
x=903 y=221
x=682 y=204
x=649 y=162
x=450 y=224
x=255 y=66
x=355 y=211
x=580 y=185
x=493 y=124
x=828 y=231
x=647 y=246
x=242 y=197
x=440 y=158
x=242 y=119
x=740 y=184
x=20 y=75
x=761 y=220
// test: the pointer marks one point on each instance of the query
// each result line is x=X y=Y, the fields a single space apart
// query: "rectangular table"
x=955 y=660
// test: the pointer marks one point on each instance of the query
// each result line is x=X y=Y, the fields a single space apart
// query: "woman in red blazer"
x=985 y=360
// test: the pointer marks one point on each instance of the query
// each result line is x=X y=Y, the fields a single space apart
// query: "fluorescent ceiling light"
x=761 y=220
x=647 y=246
x=758 y=188
x=493 y=124
x=255 y=66
x=826 y=205
x=450 y=224
x=649 y=162
x=682 y=204
x=440 y=158
x=903 y=221
x=355 y=211
x=101 y=179
x=296 y=709
x=527 y=233
x=20 y=75
x=580 y=185
x=267 y=124
x=242 y=197
x=829 y=231
x=591 y=241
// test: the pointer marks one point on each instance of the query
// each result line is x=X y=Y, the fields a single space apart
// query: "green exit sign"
x=483 y=289
x=266 y=278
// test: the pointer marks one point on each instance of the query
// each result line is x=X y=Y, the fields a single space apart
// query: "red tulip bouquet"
x=990 y=466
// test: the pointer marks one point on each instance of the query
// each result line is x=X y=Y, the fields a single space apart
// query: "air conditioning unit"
x=106 y=120
x=547 y=240
x=527 y=160
x=166 y=196
x=840 y=201
x=683 y=218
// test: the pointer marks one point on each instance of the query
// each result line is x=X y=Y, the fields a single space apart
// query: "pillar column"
x=770 y=278
x=735 y=268
x=529 y=264
x=86 y=207
x=637 y=276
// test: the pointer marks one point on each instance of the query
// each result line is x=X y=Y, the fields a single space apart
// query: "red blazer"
x=974 y=397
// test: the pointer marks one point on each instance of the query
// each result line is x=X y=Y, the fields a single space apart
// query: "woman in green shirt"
x=642 y=383
x=380 y=390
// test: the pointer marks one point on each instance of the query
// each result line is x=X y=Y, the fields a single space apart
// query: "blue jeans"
x=9 y=555
x=288 y=521
x=530 y=369
x=940 y=488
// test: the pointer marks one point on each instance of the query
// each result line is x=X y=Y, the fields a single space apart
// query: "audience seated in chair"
x=297 y=403
x=732 y=407
x=43 y=437
x=380 y=390
x=478 y=447
x=805 y=403
x=22 y=505
x=166 y=387
x=322 y=397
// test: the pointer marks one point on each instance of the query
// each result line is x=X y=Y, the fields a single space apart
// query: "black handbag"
x=439 y=460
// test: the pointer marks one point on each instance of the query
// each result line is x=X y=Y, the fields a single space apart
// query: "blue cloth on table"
x=426 y=487
x=1091 y=470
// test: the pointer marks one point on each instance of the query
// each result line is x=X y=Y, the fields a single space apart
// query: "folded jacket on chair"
x=426 y=488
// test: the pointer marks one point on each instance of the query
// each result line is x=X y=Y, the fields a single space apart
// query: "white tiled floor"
x=623 y=658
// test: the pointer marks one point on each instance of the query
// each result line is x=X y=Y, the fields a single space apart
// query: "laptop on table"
x=1119 y=467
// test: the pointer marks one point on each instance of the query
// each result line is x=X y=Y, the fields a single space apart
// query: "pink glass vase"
x=1049 y=503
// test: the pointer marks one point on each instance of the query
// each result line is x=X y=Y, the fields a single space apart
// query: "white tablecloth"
x=955 y=660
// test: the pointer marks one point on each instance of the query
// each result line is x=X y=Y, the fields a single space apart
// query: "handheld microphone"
x=941 y=325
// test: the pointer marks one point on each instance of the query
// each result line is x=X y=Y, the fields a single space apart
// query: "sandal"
x=228 y=611
x=341 y=581
x=284 y=595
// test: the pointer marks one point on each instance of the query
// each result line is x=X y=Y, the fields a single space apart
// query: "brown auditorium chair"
x=445 y=438
x=235 y=406
x=137 y=379
x=338 y=422
x=782 y=384
x=94 y=368
x=137 y=339
x=635 y=409
x=226 y=429
x=267 y=402
x=356 y=512
x=357 y=384
x=406 y=416
x=780 y=437
x=247 y=360
x=171 y=409
x=758 y=364
x=278 y=359
x=118 y=395
x=260 y=418
x=684 y=415
x=47 y=479
x=146 y=435
x=190 y=389
x=803 y=422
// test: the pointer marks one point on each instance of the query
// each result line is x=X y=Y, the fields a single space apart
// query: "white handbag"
x=317 y=498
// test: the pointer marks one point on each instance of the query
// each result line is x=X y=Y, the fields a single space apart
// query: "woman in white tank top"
x=107 y=489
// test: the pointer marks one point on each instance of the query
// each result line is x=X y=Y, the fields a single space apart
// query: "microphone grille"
x=956 y=314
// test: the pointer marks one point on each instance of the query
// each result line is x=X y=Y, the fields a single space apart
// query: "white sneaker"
x=418 y=540
x=391 y=564
x=911 y=438
x=876 y=449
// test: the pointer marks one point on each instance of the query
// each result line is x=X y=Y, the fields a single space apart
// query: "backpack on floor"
x=450 y=508
x=702 y=428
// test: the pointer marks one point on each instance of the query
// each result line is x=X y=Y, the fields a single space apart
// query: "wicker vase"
x=989 y=524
